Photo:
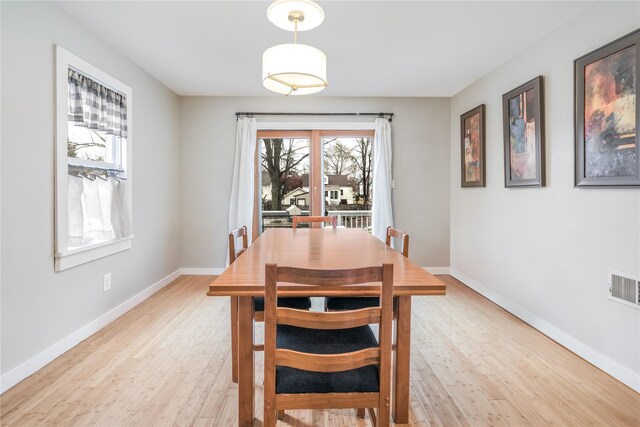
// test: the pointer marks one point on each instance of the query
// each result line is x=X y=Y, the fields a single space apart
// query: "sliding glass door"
x=313 y=172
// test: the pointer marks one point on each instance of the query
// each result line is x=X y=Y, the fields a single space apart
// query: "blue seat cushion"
x=319 y=341
x=352 y=303
x=302 y=303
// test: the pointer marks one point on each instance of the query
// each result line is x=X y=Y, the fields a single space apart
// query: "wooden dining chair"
x=235 y=234
x=399 y=234
x=258 y=303
x=352 y=303
x=333 y=220
x=327 y=360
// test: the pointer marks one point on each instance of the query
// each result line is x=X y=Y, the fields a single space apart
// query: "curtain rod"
x=251 y=114
x=87 y=167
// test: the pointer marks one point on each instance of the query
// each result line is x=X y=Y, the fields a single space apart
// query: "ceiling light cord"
x=295 y=41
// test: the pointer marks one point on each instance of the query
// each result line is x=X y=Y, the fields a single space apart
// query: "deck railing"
x=346 y=218
x=277 y=219
x=353 y=219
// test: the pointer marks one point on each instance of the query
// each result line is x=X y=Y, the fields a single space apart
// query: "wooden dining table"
x=317 y=248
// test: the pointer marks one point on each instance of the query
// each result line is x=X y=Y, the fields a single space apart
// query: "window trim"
x=63 y=257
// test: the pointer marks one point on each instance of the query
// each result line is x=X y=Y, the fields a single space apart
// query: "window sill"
x=75 y=257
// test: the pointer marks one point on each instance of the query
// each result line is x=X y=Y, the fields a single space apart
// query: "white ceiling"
x=374 y=48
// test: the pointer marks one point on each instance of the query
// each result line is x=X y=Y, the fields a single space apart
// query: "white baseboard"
x=27 y=368
x=214 y=271
x=437 y=270
x=599 y=360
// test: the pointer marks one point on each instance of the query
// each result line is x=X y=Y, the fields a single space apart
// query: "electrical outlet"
x=106 y=284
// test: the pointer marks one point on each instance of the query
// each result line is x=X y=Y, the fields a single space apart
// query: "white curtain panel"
x=76 y=215
x=241 y=201
x=120 y=210
x=98 y=211
x=382 y=175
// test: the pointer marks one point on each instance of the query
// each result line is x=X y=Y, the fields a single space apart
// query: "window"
x=310 y=164
x=347 y=161
x=284 y=165
x=93 y=163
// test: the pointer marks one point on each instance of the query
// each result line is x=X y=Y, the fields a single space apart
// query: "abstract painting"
x=472 y=147
x=606 y=115
x=524 y=135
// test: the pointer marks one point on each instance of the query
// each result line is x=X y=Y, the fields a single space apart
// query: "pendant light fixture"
x=292 y=68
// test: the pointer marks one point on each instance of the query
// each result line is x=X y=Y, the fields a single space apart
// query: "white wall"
x=40 y=307
x=420 y=132
x=543 y=253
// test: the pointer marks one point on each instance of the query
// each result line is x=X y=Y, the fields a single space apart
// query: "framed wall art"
x=523 y=123
x=472 y=147
x=607 y=149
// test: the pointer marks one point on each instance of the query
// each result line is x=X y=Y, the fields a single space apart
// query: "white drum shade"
x=295 y=69
x=278 y=14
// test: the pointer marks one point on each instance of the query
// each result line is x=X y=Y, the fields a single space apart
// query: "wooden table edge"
x=224 y=292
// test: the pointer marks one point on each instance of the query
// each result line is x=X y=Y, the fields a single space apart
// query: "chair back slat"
x=327 y=362
x=364 y=290
x=333 y=220
x=233 y=235
x=399 y=234
x=352 y=276
x=330 y=400
x=239 y=232
x=329 y=320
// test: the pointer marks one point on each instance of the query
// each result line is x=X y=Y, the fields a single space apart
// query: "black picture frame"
x=533 y=112
x=464 y=130
x=605 y=158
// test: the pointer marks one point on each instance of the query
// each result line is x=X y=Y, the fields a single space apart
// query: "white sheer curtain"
x=120 y=210
x=242 y=187
x=382 y=212
x=98 y=211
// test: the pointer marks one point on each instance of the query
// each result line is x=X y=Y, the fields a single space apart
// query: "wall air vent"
x=624 y=288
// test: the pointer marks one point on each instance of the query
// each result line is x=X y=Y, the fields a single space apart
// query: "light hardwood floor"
x=167 y=362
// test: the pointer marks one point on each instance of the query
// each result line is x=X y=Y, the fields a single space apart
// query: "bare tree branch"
x=280 y=159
